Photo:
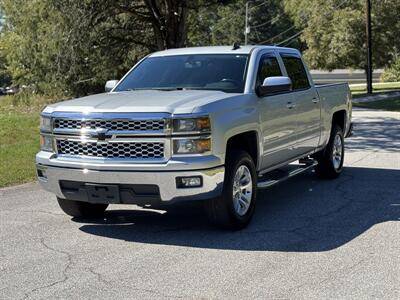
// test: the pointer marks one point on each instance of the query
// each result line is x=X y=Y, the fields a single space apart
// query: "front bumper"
x=212 y=182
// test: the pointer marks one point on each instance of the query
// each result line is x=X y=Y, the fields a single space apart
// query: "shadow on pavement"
x=301 y=215
x=375 y=134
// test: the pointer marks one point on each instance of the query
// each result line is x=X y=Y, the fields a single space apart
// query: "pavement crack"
x=64 y=271
x=99 y=276
x=362 y=158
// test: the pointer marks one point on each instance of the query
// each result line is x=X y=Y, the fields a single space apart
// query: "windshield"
x=221 y=72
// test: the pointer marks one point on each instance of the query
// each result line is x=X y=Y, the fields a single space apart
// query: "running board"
x=277 y=176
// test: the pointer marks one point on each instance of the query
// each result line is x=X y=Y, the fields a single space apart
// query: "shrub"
x=392 y=74
x=27 y=101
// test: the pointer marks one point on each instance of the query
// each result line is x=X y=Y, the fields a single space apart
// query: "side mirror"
x=274 y=85
x=110 y=85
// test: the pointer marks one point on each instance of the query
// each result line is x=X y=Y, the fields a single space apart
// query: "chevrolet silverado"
x=211 y=124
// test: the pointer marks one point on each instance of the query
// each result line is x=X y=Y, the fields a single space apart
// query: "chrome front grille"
x=132 y=137
x=115 y=125
x=129 y=150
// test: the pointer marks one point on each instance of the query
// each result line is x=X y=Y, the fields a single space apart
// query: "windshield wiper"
x=153 y=89
x=130 y=90
x=168 y=89
x=178 y=88
x=164 y=89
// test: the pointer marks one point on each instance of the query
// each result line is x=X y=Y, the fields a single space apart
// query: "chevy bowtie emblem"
x=100 y=134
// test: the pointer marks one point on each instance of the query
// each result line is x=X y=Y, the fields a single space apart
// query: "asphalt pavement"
x=309 y=238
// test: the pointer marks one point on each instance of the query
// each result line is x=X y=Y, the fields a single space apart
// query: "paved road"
x=344 y=75
x=309 y=239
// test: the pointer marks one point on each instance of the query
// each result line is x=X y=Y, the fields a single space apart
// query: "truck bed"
x=333 y=95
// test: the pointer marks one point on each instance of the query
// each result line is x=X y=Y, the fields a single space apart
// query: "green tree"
x=5 y=76
x=334 y=31
x=74 y=46
x=168 y=18
x=268 y=24
x=16 y=47
x=2 y=19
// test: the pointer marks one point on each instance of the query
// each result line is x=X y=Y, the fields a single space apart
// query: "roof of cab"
x=217 y=50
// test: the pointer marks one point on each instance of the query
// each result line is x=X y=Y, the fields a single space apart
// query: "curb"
x=19 y=186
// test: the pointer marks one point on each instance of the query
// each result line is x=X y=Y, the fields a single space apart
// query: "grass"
x=19 y=137
x=361 y=89
x=390 y=105
x=19 y=142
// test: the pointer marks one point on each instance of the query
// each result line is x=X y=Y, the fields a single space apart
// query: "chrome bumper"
x=165 y=180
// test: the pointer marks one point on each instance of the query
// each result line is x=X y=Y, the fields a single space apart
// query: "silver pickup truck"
x=211 y=124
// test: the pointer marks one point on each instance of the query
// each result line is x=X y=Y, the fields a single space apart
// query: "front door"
x=307 y=104
x=278 y=118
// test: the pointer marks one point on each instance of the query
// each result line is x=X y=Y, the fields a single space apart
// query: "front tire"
x=330 y=160
x=235 y=207
x=81 y=209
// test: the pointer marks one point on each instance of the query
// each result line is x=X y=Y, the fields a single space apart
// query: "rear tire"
x=235 y=207
x=81 y=209
x=330 y=160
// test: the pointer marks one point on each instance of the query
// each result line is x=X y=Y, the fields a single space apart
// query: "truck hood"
x=174 y=102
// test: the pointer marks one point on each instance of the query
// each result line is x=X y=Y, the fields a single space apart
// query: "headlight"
x=45 y=124
x=201 y=124
x=192 y=146
x=46 y=143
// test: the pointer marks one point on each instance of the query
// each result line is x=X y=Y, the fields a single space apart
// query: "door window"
x=268 y=67
x=296 y=72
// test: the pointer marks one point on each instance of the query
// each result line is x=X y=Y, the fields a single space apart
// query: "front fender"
x=231 y=117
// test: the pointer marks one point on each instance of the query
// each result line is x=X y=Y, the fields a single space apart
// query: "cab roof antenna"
x=236 y=46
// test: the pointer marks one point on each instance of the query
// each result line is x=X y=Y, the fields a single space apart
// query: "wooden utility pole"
x=369 y=47
x=246 y=25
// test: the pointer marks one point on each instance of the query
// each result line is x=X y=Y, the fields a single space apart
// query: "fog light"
x=189 y=182
x=41 y=172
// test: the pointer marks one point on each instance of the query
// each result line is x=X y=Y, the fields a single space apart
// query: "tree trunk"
x=168 y=19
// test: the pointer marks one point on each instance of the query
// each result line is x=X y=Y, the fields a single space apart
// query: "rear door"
x=307 y=104
x=277 y=116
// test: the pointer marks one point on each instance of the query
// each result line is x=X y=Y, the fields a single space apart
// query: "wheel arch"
x=339 y=118
x=247 y=141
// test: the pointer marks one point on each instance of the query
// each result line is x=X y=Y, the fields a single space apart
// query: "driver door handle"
x=290 y=105
x=315 y=100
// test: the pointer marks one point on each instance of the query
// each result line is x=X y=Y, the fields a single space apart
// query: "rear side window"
x=268 y=67
x=296 y=72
